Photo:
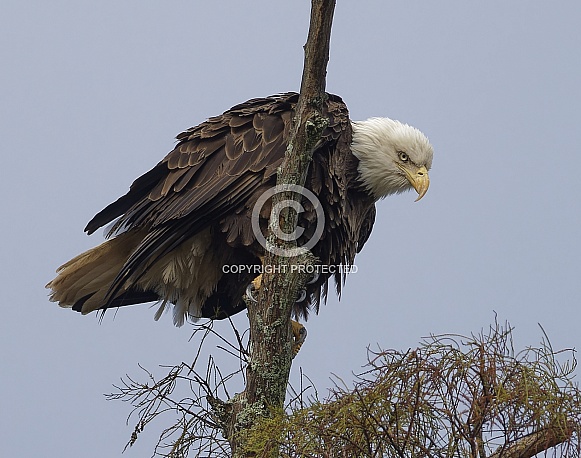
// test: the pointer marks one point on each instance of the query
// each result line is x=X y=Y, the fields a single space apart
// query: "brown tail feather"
x=92 y=272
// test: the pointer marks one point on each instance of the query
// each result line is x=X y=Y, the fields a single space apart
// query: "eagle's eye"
x=403 y=156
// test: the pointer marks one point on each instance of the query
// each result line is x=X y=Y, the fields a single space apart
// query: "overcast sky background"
x=93 y=93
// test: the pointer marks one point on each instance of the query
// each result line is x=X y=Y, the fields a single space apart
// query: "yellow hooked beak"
x=418 y=178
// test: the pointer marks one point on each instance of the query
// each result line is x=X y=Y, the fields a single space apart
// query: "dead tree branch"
x=270 y=328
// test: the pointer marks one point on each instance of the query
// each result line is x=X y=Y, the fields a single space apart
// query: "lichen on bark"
x=268 y=371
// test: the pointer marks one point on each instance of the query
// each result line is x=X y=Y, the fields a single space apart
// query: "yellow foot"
x=257 y=282
x=299 y=334
x=254 y=286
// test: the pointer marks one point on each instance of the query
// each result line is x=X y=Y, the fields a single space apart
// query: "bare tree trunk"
x=270 y=324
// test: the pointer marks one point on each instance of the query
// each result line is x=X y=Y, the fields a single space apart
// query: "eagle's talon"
x=249 y=289
x=302 y=295
x=314 y=279
x=254 y=286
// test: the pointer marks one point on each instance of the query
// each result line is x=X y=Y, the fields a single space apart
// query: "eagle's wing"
x=212 y=171
x=250 y=137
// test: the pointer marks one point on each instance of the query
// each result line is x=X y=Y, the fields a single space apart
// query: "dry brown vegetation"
x=453 y=396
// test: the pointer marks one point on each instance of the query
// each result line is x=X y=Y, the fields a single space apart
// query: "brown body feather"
x=199 y=199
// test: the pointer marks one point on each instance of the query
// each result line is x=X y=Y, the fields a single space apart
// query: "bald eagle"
x=191 y=215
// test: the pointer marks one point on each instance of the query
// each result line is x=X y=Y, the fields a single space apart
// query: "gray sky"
x=92 y=94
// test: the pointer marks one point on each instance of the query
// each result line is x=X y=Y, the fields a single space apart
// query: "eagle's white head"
x=393 y=157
